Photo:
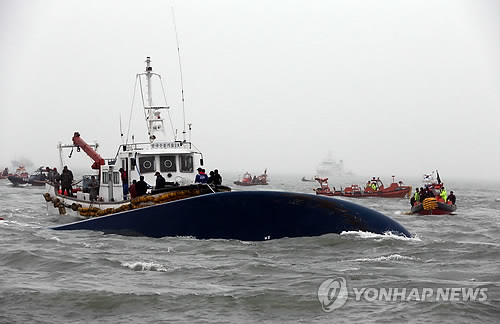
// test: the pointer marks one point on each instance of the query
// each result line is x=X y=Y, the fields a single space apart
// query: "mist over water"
x=82 y=276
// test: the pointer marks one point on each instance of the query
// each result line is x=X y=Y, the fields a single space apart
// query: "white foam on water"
x=386 y=235
x=392 y=257
x=145 y=266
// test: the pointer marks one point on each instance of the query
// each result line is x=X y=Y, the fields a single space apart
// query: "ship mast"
x=154 y=120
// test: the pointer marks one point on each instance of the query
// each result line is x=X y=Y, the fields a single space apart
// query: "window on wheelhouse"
x=186 y=163
x=147 y=164
x=167 y=163
x=116 y=177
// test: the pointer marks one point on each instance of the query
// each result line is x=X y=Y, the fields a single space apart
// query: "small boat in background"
x=39 y=177
x=248 y=180
x=20 y=177
x=308 y=180
x=5 y=173
x=373 y=188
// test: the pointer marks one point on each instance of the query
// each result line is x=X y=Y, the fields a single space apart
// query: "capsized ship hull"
x=246 y=215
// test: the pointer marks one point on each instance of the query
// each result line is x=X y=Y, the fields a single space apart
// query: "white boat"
x=331 y=167
x=176 y=159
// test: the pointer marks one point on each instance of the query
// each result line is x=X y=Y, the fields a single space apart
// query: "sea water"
x=49 y=276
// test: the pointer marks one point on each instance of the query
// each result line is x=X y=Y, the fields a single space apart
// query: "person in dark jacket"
x=217 y=179
x=141 y=187
x=210 y=179
x=67 y=181
x=160 y=181
x=452 y=198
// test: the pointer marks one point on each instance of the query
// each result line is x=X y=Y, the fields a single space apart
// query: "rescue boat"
x=20 y=177
x=183 y=208
x=248 y=180
x=373 y=188
x=438 y=204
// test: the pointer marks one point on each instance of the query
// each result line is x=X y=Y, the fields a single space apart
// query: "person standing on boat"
x=50 y=175
x=124 y=177
x=160 y=181
x=422 y=194
x=94 y=188
x=443 y=194
x=415 y=198
x=217 y=179
x=67 y=181
x=56 y=177
x=201 y=177
x=210 y=179
x=451 y=198
x=141 y=187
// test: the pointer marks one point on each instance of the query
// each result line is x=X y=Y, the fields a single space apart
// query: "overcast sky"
x=389 y=86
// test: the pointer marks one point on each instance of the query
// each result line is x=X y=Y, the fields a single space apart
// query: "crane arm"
x=79 y=142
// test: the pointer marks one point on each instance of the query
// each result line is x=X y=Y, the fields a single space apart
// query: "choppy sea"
x=49 y=276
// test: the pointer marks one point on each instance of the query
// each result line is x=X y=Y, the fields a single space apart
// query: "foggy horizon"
x=390 y=88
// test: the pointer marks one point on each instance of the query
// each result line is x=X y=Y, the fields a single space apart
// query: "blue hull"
x=246 y=216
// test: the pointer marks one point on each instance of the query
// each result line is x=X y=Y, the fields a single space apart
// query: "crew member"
x=201 y=177
x=94 y=188
x=132 y=189
x=124 y=178
x=451 y=198
x=141 y=186
x=160 y=181
x=67 y=181
x=217 y=178
x=443 y=194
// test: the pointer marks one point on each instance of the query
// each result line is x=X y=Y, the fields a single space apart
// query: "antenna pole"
x=182 y=82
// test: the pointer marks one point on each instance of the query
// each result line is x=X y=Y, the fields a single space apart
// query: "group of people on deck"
x=139 y=188
x=421 y=194
x=63 y=183
x=213 y=178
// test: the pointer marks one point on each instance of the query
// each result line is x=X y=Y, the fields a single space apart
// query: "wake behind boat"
x=177 y=207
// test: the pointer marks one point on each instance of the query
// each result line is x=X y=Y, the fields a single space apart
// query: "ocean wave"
x=145 y=266
x=12 y=223
x=392 y=257
x=386 y=235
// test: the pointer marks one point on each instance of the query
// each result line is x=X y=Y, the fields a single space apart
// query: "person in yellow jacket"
x=443 y=194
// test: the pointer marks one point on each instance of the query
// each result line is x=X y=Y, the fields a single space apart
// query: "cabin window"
x=116 y=177
x=167 y=163
x=105 y=177
x=186 y=163
x=147 y=164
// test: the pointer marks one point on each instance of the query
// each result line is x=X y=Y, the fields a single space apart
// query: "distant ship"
x=332 y=168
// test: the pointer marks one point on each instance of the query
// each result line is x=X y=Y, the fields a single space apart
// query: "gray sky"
x=390 y=87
